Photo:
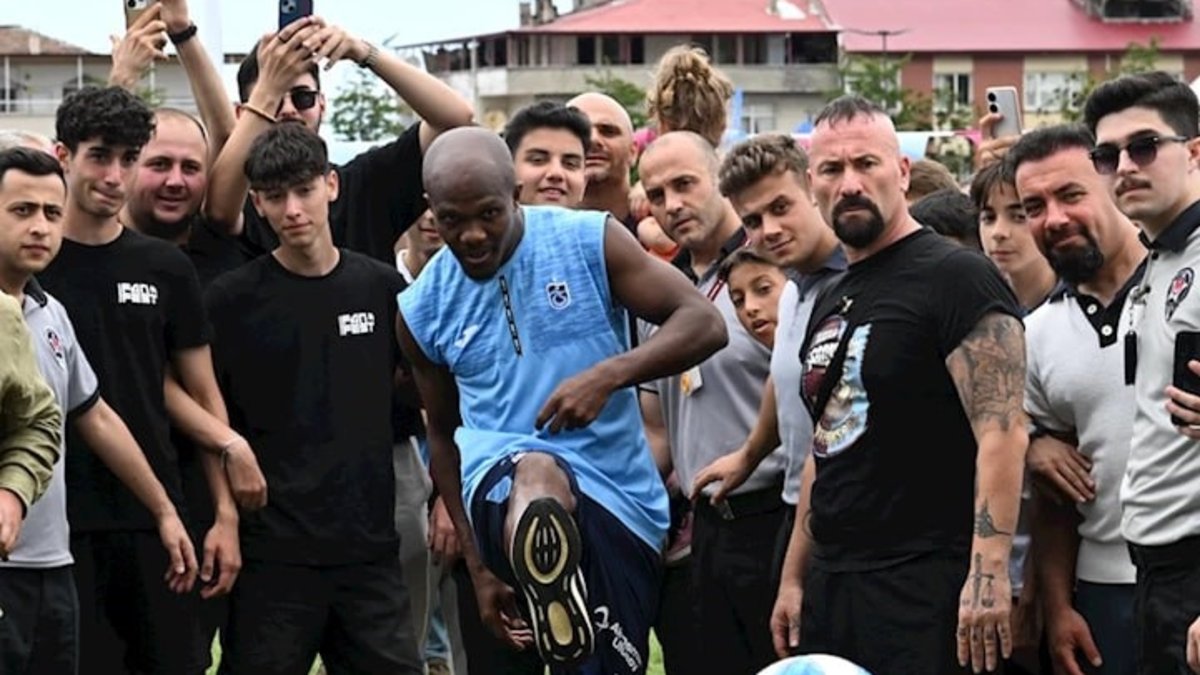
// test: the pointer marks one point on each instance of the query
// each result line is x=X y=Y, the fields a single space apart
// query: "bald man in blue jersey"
x=518 y=338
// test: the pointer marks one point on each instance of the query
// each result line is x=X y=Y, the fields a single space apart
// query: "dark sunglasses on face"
x=303 y=98
x=1142 y=151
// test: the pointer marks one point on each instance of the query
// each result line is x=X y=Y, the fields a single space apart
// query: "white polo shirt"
x=1160 y=496
x=1075 y=386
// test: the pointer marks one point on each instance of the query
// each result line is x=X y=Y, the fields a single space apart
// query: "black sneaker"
x=546 y=553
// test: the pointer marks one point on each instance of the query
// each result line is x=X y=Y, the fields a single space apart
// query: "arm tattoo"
x=984 y=525
x=988 y=369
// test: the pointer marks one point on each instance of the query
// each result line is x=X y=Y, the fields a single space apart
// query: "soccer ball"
x=814 y=664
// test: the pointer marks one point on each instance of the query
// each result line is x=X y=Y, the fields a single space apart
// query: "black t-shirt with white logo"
x=134 y=302
x=380 y=194
x=306 y=365
x=894 y=449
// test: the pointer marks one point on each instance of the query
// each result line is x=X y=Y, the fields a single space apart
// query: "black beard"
x=858 y=234
x=1078 y=265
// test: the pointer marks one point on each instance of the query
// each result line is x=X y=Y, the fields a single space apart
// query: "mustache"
x=1127 y=184
x=854 y=202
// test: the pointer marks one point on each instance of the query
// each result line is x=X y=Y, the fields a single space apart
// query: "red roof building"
x=1043 y=47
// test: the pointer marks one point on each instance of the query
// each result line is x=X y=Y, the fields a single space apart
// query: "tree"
x=364 y=110
x=1138 y=58
x=629 y=95
x=877 y=78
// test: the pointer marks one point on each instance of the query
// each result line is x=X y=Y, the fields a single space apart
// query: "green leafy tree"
x=1138 y=58
x=629 y=95
x=877 y=78
x=364 y=110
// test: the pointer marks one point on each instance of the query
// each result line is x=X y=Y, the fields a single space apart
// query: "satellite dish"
x=495 y=120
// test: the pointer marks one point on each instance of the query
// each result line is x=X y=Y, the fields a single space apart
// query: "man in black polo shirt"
x=306 y=352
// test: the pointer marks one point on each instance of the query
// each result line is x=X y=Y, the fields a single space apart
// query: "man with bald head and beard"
x=519 y=346
x=609 y=156
x=913 y=372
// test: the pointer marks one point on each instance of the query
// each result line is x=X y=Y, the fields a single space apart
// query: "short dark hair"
x=111 y=114
x=986 y=180
x=1041 y=143
x=846 y=108
x=288 y=154
x=1158 y=91
x=247 y=74
x=742 y=256
x=752 y=160
x=950 y=213
x=547 y=114
x=30 y=161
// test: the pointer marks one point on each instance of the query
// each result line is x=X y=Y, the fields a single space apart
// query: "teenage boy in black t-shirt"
x=136 y=306
x=913 y=371
x=305 y=352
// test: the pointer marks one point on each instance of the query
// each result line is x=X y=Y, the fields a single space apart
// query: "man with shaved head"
x=519 y=344
x=609 y=156
x=709 y=411
x=913 y=372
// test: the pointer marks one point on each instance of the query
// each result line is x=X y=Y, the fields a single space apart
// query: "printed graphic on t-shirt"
x=357 y=323
x=54 y=341
x=844 y=419
x=136 y=293
x=558 y=294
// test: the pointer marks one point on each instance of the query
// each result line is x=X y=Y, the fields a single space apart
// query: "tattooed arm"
x=988 y=369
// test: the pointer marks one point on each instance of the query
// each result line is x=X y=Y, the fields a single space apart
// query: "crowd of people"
x=485 y=403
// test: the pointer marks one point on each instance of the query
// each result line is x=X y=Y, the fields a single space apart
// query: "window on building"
x=610 y=49
x=758 y=118
x=727 y=49
x=1050 y=91
x=812 y=48
x=586 y=50
x=705 y=42
x=8 y=100
x=951 y=90
x=637 y=49
x=754 y=49
x=523 y=51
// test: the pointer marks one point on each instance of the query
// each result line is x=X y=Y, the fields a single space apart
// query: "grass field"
x=655 y=667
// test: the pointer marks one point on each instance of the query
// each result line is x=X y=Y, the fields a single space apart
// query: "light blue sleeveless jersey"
x=546 y=315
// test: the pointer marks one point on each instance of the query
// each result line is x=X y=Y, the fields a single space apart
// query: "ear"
x=257 y=200
x=333 y=182
x=1193 y=148
x=905 y=171
x=62 y=154
x=517 y=195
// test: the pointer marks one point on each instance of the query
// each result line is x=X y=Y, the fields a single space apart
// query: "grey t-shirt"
x=711 y=409
x=45 y=536
x=795 y=424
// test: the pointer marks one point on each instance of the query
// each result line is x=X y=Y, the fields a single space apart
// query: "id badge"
x=691 y=381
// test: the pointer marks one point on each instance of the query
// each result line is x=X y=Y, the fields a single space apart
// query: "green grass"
x=655 y=666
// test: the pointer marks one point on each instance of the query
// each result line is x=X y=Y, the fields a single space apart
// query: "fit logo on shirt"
x=359 y=323
x=136 y=293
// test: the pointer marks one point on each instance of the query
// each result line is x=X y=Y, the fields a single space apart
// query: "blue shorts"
x=622 y=573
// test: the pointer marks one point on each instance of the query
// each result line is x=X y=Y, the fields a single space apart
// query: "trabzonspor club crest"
x=558 y=294
x=1180 y=286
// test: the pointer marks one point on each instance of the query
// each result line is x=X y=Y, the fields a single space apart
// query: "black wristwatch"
x=183 y=35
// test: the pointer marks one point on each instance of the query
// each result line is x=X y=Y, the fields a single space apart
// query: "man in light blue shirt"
x=518 y=339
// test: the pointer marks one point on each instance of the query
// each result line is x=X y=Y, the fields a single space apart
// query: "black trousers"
x=675 y=626
x=39 y=622
x=733 y=580
x=1166 y=602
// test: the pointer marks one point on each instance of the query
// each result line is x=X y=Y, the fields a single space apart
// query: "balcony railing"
x=48 y=107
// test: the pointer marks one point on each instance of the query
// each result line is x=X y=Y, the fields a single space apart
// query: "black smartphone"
x=1187 y=348
x=293 y=10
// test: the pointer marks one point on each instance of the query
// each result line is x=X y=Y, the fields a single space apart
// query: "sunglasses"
x=303 y=98
x=1142 y=151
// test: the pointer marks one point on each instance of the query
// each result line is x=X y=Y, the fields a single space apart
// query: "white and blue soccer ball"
x=814 y=664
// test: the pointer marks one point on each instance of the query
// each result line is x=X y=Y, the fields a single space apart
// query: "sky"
x=244 y=21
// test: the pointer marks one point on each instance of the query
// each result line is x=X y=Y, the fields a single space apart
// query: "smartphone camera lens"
x=131 y=4
x=993 y=108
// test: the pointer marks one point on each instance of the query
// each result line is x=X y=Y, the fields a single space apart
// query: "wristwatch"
x=183 y=35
